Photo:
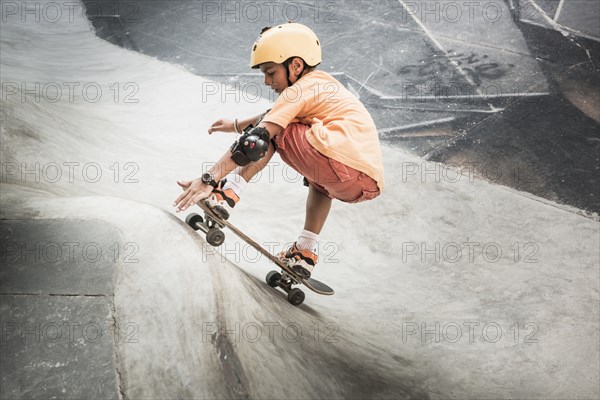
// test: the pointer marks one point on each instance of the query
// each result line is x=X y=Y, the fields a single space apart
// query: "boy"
x=316 y=125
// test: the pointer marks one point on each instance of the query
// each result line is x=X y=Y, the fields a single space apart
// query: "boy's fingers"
x=189 y=197
x=181 y=198
x=178 y=201
x=187 y=204
x=193 y=200
x=185 y=187
x=183 y=204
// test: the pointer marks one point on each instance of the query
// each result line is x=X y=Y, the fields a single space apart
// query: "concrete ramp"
x=303 y=352
x=136 y=308
x=142 y=327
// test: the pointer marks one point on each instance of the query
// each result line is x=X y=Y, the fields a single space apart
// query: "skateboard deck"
x=212 y=224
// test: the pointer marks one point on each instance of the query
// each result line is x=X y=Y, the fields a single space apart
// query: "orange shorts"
x=331 y=177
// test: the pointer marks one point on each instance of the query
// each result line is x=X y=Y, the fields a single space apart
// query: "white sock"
x=236 y=183
x=307 y=241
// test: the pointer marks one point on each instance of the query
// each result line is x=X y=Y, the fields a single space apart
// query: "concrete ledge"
x=150 y=307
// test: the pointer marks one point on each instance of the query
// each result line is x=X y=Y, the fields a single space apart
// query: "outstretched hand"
x=193 y=192
x=221 y=125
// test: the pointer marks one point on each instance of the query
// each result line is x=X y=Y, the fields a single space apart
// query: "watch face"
x=209 y=179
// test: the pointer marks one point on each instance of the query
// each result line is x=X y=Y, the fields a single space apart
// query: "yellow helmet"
x=281 y=42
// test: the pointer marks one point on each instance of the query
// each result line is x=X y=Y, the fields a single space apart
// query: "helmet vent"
x=318 y=44
x=254 y=49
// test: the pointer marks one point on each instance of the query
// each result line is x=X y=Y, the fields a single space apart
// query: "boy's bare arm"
x=196 y=190
x=226 y=125
x=243 y=124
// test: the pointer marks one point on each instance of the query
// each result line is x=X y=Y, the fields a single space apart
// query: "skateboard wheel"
x=194 y=219
x=215 y=237
x=295 y=297
x=273 y=278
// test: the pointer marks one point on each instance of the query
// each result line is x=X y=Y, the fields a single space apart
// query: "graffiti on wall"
x=441 y=67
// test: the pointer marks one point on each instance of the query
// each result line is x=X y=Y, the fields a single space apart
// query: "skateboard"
x=212 y=225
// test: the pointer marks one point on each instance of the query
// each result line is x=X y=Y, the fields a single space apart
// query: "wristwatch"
x=209 y=179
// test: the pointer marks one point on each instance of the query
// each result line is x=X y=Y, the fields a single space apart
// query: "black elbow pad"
x=251 y=146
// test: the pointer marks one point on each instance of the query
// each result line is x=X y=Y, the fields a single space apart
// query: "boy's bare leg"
x=317 y=210
x=249 y=171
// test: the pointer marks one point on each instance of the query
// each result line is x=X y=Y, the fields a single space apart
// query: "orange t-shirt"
x=340 y=126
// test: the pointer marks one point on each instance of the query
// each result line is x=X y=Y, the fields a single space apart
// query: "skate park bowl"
x=464 y=279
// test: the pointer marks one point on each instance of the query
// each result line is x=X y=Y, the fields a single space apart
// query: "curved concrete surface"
x=195 y=325
x=198 y=327
x=159 y=352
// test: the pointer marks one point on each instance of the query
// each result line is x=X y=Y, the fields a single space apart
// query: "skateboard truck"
x=285 y=281
x=213 y=230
